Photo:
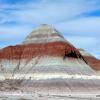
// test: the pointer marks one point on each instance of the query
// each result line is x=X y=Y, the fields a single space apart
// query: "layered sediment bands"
x=44 y=34
x=62 y=49
x=63 y=86
x=44 y=67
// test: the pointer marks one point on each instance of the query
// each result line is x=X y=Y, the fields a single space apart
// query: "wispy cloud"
x=88 y=26
x=78 y=20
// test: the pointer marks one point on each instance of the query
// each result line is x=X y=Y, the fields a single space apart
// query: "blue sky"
x=77 y=20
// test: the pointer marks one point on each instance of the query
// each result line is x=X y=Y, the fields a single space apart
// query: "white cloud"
x=88 y=26
x=82 y=41
x=49 y=12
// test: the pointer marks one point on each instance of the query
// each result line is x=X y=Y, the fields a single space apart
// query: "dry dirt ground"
x=20 y=90
x=25 y=96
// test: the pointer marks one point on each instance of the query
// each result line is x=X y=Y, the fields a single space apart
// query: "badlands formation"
x=47 y=63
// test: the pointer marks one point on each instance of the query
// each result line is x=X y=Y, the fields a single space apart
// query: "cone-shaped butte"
x=44 y=51
x=46 y=64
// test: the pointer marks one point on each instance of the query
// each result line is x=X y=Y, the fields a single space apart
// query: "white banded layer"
x=46 y=76
x=44 y=34
x=47 y=64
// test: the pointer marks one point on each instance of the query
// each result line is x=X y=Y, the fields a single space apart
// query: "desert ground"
x=33 y=96
x=56 y=89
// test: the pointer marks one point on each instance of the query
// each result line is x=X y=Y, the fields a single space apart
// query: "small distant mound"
x=91 y=60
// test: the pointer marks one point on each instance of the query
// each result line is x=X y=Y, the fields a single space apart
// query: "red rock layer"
x=62 y=49
x=93 y=62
